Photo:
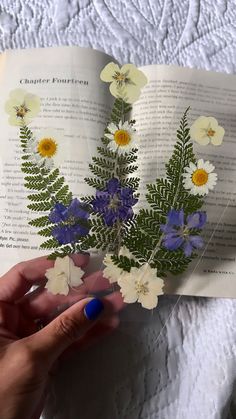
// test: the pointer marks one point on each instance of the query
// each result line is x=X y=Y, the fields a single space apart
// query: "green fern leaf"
x=40 y=221
x=50 y=244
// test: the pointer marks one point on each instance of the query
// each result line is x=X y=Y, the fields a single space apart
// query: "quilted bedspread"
x=179 y=361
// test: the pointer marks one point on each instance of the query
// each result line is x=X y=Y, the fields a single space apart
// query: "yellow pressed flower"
x=22 y=107
x=206 y=130
x=126 y=82
x=47 y=147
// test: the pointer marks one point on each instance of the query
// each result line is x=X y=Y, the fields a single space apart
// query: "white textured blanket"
x=187 y=371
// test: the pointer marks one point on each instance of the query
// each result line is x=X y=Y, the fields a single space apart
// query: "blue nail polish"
x=93 y=309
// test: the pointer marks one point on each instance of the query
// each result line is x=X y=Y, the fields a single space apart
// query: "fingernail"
x=93 y=309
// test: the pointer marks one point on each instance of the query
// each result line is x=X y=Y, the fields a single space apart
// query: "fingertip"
x=114 y=302
x=81 y=259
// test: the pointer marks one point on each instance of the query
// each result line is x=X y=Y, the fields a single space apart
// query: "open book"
x=76 y=102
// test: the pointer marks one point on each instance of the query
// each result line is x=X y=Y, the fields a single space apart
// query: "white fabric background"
x=187 y=371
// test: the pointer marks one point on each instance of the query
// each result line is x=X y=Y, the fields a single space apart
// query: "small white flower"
x=47 y=150
x=122 y=137
x=142 y=285
x=63 y=276
x=200 y=178
x=206 y=130
x=112 y=272
x=126 y=82
x=22 y=107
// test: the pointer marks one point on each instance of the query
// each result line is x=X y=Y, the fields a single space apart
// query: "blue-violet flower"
x=178 y=234
x=71 y=222
x=114 y=203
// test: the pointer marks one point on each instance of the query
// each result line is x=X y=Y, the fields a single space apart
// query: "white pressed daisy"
x=46 y=149
x=200 y=178
x=126 y=82
x=22 y=107
x=111 y=271
x=142 y=285
x=122 y=137
x=63 y=276
x=206 y=130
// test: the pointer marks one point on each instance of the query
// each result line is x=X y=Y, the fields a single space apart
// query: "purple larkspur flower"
x=70 y=221
x=115 y=202
x=178 y=234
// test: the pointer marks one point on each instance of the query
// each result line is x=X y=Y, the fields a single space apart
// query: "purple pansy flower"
x=114 y=203
x=177 y=233
x=71 y=221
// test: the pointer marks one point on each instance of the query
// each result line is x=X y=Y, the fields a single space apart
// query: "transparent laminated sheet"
x=129 y=366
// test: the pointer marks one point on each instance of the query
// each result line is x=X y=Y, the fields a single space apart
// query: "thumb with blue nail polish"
x=93 y=309
x=57 y=336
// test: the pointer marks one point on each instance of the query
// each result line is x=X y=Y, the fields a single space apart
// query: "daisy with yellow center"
x=122 y=137
x=200 y=178
x=206 y=130
x=46 y=149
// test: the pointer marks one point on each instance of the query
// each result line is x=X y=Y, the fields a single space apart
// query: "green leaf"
x=41 y=206
x=40 y=221
x=47 y=232
x=50 y=244
x=38 y=197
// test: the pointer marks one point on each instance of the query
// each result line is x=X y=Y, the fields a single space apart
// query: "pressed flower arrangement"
x=142 y=247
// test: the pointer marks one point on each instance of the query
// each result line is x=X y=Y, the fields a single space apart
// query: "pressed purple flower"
x=71 y=221
x=115 y=202
x=178 y=234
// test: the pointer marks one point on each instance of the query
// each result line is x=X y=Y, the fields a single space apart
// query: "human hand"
x=27 y=355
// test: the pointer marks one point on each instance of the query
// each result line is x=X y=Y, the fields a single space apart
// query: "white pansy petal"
x=33 y=104
x=213 y=123
x=218 y=137
x=109 y=71
x=197 y=132
x=203 y=141
x=137 y=76
x=18 y=95
x=132 y=93
x=114 y=89
x=148 y=301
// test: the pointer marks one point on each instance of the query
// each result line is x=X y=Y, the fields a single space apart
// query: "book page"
x=169 y=92
x=76 y=103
